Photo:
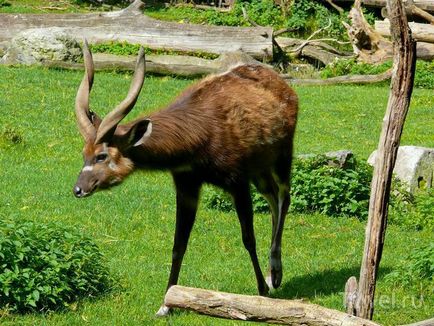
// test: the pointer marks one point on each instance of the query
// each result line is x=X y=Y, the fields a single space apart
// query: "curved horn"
x=108 y=125
x=82 y=111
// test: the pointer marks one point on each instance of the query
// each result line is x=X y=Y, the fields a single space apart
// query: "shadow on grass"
x=326 y=282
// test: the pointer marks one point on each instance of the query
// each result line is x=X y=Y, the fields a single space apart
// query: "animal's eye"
x=101 y=157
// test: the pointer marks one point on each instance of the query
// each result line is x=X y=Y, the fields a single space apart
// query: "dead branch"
x=331 y=3
x=299 y=48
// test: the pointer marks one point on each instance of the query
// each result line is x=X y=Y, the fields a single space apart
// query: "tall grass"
x=40 y=156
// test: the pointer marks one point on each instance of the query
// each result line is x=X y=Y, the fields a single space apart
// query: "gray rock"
x=414 y=166
x=36 y=45
x=337 y=159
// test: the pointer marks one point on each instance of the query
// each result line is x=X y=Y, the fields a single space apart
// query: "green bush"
x=316 y=186
x=415 y=212
x=47 y=266
x=416 y=268
x=329 y=189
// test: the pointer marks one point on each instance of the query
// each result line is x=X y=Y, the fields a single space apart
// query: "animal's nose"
x=78 y=192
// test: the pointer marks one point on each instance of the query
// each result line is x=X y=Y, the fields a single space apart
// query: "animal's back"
x=248 y=115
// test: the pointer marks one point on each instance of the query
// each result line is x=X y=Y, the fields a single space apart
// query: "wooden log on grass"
x=420 y=32
x=130 y=25
x=161 y=64
x=256 y=308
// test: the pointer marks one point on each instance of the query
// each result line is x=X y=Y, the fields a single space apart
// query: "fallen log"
x=130 y=25
x=427 y=5
x=342 y=80
x=161 y=64
x=420 y=32
x=256 y=308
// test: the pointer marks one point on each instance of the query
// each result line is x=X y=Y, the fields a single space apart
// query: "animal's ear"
x=138 y=133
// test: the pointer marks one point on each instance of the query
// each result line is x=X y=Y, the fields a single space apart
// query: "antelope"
x=228 y=130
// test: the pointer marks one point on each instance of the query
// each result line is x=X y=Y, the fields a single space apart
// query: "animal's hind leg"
x=243 y=205
x=281 y=177
x=268 y=188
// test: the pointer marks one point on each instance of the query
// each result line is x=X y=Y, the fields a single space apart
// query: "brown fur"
x=229 y=125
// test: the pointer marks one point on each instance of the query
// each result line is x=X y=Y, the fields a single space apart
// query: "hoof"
x=269 y=283
x=163 y=311
x=275 y=278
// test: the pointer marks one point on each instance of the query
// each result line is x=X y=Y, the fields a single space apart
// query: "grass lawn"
x=133 y=223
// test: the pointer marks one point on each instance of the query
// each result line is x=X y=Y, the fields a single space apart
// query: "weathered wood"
x=130 y=25
x=393 y=122
x=342 y=80
x=427 y=5
x=420 y=32
x=370 y=46
x=313 y=49
x=256 y=308
x=351 y=295
x=161 y=64
x=428 y=322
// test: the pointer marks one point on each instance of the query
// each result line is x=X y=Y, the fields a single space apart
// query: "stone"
x=341 y=159
x=414 y=166
x=33 y=46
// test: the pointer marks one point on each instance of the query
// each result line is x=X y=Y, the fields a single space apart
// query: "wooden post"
x=397 y=108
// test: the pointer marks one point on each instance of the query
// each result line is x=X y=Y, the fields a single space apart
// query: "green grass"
x=40 y=157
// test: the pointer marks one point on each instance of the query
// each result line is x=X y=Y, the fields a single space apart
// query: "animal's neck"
x=176 y=139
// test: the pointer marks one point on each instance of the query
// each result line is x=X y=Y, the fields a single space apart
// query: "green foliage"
x=47 y=266
x=124 y=48
x=418 y=267
x=424 y=76
x=262 y=12
x=307 y=16
x=317 y=186
x=352 y=67
x=415 y=212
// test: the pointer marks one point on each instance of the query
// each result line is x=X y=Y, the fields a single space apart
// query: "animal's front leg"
x=187 y=195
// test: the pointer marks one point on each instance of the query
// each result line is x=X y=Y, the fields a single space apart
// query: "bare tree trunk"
x=393 y=122
x=256 y=308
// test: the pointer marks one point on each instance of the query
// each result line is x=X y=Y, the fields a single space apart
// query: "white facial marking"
x=112 y=165
x=87 y=168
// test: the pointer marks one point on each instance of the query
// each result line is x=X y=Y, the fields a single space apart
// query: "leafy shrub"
x=424 y=76
x=415 y=212
x=47 y=266
x=416 y=268
x=316 y=186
